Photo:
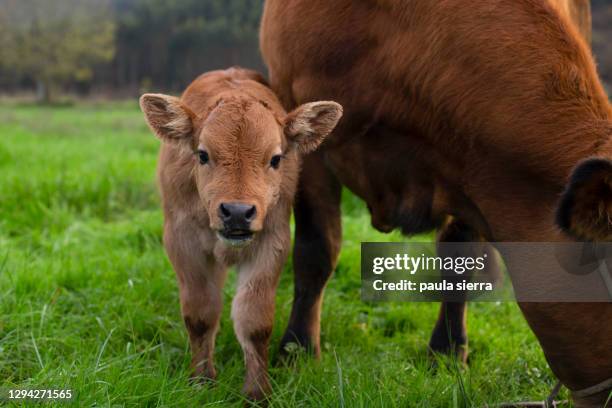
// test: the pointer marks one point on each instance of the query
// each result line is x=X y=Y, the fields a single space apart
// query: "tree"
x=55 y=41
x=168 y=43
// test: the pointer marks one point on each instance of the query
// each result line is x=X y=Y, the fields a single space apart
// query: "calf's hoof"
x=257 y=393
x=202 y=374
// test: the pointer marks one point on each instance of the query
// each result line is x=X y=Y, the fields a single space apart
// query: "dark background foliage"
x=602 y=38
x=138 y=45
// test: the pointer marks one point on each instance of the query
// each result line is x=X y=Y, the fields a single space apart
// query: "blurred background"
x=116 y=48
x=88 y=300
x=119 y=48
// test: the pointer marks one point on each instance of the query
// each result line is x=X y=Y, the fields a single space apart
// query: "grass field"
x=88 y=300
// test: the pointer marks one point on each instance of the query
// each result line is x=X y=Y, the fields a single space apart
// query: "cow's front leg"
x=450 y=332
x=200 y=281
x=253 y=316
x=449 y=335
x=318 y=235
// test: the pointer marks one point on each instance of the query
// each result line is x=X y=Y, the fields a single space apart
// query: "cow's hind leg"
x=318 y=235
x=450 y=332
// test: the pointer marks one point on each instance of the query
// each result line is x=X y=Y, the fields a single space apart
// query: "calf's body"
x=227 y=173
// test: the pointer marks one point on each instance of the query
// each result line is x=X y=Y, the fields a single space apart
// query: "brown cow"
x=228 y=170
x=383 y=191
x=466 y=115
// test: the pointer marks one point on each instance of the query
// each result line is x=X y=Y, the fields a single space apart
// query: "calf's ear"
x=307 y=126
x=585 y=209
x=168 y=118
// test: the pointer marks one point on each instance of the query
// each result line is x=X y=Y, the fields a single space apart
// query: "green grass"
x=88 y=300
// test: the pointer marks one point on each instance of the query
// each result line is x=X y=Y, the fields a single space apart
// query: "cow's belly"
x=380 y=168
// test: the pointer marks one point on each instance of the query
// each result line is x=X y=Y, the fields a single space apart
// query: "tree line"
x=123 y=47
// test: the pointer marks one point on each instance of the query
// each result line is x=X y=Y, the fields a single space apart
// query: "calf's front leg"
x=200 y=280
x=253 y=316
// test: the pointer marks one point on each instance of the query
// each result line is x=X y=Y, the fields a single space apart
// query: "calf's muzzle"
x=236 y=218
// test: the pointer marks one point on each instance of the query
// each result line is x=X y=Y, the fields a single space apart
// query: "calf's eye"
x=203 y=156
x=275 y=161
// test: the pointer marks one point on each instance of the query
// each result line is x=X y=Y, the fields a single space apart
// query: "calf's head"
x=242 y=153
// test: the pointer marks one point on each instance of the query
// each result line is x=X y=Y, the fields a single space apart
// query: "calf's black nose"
x=237 y=215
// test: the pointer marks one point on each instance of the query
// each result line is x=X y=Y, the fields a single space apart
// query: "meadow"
x=89 y=302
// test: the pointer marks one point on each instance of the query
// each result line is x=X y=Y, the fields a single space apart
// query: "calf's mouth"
x=236 y=237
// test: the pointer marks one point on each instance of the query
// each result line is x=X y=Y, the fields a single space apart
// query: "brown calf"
x=476 y=112
x=227 y=172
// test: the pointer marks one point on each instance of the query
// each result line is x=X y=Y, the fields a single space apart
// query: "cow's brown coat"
x=477 y=111
x=235 y=118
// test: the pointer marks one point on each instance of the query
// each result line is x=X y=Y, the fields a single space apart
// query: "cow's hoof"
x=291 y=351
x=458 y=351
x=293 y=340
